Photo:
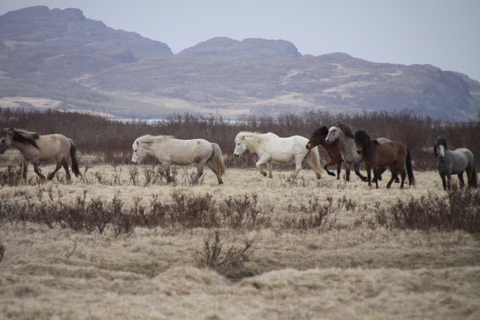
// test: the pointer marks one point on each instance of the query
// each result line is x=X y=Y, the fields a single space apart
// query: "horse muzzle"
x=307 y=146
x=236 y=155
x=134 y=162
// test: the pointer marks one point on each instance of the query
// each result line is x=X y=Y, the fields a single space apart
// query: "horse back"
x=389 y=152
x=53 y=145
x=461 y=159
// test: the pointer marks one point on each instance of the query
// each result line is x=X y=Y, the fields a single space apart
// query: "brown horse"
x=392 y=154
x=36 y=148
x=318 y=138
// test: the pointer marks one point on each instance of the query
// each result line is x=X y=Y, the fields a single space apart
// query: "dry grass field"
x=348 y=265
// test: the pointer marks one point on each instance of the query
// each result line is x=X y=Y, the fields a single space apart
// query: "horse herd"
x=342 y=145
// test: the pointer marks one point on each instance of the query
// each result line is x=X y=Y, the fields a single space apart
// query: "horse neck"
x=254 y=143
x=347 y=148
x=22 y=146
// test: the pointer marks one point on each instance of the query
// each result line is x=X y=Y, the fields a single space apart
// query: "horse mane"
x=321 y=131
x=361 y=137
x=21 y=135
x=254 y=140
x=149 y=138
x=346 y=130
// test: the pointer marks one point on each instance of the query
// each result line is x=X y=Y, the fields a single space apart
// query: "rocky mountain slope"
x=73 y=62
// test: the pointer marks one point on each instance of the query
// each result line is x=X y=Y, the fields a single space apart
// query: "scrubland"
x=318 y=249
x=120 y=243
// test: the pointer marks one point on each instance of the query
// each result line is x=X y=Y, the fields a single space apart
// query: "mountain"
x=60 y=59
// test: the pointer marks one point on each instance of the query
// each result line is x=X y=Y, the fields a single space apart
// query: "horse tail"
x=315 y=159
x=73 y=156
x=217 y=159
x=411 y=178
x=474 y=179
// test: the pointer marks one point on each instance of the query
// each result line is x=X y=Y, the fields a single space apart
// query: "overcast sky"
x=443 y=33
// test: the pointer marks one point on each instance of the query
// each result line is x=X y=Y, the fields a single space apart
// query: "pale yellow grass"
x=350 y=272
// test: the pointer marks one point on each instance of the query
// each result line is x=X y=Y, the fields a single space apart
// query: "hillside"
x=61 y=59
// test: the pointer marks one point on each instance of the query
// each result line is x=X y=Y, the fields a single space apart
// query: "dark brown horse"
x=318 y=138
x=392 y=154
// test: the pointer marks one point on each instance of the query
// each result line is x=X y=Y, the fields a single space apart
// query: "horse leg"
x=24 y=171
x=444 y=182
x=369 y=176
x=259 y=168
x=449 y=181
x=57 y=167
x=67 y=172
x=381 y=170
x=37 y=170
x=167 y=172
x=347 y=171
x=357 y=171
x=298 y=167
x=339 y=169
x=214 y=169
x=462 y=182
x=269 y=167
x=329 y=163
x=393 y=170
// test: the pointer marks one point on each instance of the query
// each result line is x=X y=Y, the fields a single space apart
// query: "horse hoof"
x=331 y=174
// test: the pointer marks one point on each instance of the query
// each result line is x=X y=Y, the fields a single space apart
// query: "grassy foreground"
x=253 y=248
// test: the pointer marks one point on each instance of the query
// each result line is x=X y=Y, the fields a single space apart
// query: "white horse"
x=271 y=148
x=169 y=150
x=346 y=143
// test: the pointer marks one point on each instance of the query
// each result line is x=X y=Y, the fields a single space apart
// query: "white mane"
x=149 y=138
x=255 y=141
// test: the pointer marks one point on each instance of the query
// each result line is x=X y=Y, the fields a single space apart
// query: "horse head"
x=240 y=146
x=440 y=147
x=138 y=152
x=5 y=140
x=362 y=142
x=333 y=134
x=318 y=137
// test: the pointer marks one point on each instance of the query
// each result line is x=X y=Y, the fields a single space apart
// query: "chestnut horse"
x=318 y=138
x=392 y=154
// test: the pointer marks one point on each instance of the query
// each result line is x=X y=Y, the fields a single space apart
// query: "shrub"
x=459 y=210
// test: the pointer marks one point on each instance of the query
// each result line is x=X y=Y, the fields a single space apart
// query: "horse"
x=392 y=154
x=169 y=150
x=318 y=138
x=272 y=148
x=35 y=148
x=454 y=162
x=346 y=144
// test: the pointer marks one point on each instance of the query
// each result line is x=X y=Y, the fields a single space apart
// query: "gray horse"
x=454 y=162
x=346 y=143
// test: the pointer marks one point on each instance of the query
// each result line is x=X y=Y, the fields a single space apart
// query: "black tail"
x=411 y=178
x=473 y=181
x=73 y=156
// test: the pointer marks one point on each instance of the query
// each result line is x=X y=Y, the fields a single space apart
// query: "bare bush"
x=459 y=210
x=230 y=263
